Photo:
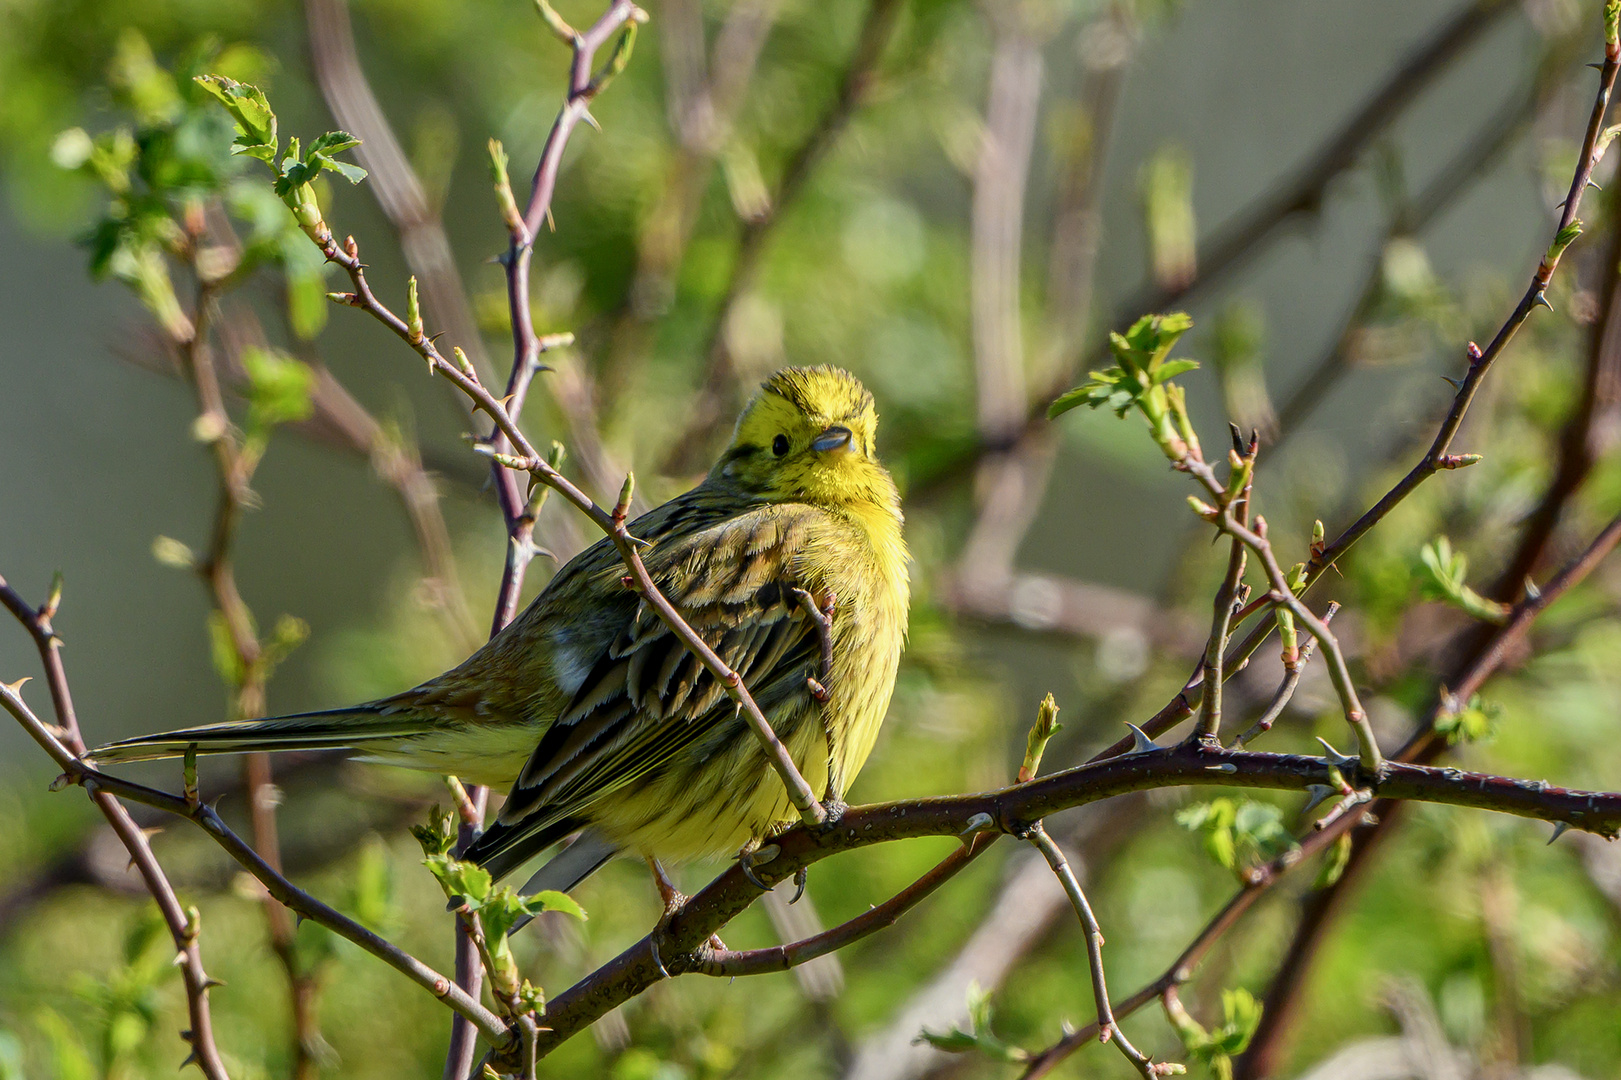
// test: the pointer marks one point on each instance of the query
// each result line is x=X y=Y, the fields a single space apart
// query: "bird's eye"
x=779 y=445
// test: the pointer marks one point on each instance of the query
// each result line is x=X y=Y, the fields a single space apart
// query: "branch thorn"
x=1335 y=758
x=1140 y=742
x=1559 y=829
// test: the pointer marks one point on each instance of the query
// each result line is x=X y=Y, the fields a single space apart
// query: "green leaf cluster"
x=498 y=907
x=1239 y=834
x=1140 y=379
x=295 y=169
x=1472 y=721
x=1215 y=1049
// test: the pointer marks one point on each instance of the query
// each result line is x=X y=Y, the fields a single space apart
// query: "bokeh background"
x=1009 y=181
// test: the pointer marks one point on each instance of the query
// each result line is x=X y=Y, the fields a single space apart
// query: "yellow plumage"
x=598 y=717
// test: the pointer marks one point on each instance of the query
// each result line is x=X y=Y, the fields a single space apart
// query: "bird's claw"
x=802 y=875
x=747 y=860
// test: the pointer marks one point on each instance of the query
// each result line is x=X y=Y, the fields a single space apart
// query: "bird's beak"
x=836 y=437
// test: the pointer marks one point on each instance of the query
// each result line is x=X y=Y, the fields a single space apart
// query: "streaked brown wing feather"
x=648 y=696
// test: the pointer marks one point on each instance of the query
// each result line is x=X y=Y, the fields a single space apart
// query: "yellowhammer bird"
x=600 y=718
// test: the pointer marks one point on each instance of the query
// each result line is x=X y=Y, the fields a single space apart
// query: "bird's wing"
x=647 y=697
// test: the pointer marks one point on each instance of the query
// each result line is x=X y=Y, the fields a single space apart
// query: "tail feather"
x=502 y=848
x=332 y=729
x=568 y=868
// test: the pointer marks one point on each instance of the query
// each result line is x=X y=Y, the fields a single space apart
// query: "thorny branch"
x=517 y=508
x=1107 y=1029
x=183 y=923
x=76 y=771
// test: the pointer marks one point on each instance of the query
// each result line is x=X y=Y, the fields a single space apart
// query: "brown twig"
x=528 y=460
x=392 y=179
x=76 y=771
x=182 y=923
x=1107 y=1029
x=1286 y=689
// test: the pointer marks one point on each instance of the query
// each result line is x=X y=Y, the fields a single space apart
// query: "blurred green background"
x=886 y=260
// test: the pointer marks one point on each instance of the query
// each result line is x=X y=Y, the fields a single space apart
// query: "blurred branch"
x=1591 y=429
x=716 y=394
x=703 y=99
x=183 y=923
x=1232 y=243
x=1044 y=604
x=1303 y=192
x=1470 y=164
x=236 y=459
x=393 y=181
x=997 y=218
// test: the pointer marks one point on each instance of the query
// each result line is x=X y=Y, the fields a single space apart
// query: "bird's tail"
x=351 y=729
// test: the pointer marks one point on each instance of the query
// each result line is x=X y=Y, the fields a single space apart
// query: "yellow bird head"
x=809 y=435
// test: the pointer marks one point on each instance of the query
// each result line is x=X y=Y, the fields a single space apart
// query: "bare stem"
x=1107 y=1029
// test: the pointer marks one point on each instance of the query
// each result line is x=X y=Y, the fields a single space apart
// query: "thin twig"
x=1108 y=1030
x=1286 y=689
x=76 y=771
x=528 y=460
x=183 y=927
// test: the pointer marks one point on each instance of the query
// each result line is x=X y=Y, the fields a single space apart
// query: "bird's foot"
x=752 y=855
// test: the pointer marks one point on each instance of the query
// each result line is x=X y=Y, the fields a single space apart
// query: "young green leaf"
x=251 y=110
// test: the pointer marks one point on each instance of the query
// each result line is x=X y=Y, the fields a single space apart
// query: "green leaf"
x=1238 y=834
x=352 y=173
x=552 y=900
x=1335 y=861
x=978 y=1037
x=1172 y=368
x=1441 y=573
x=464 y=879
x=248 y=105
x=333 y=142
x=438 y=835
